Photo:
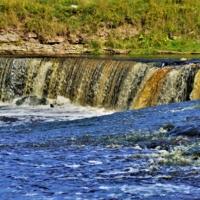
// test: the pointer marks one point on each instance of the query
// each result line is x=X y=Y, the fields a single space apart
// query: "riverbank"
x=141 y=27
x=64 y=49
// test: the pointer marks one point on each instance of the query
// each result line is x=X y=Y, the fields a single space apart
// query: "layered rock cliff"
x=17 y=42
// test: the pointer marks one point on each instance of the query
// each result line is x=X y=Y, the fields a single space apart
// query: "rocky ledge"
x=16 y=42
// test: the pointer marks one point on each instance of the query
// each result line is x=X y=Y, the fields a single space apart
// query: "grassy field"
x=151 y=25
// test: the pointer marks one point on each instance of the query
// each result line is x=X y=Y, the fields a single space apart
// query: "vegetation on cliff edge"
x=146 y=25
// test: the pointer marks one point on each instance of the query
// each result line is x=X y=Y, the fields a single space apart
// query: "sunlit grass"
x=165 y=24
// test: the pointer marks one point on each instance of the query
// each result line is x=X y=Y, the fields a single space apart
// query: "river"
x=124 y=155
x=64 y=150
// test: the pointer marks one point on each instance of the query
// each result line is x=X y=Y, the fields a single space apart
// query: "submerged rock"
x=168 y=127
x=9 y=119
x=32 y=101
x=188 y=129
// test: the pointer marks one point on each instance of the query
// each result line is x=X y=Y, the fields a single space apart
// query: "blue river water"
x=90 y=157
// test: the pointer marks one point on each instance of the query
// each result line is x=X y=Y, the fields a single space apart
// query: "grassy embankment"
x=143 y=26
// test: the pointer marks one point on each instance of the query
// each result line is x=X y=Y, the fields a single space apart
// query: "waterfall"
x=109 y=83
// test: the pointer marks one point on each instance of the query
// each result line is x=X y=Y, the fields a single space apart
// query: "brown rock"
x=55 y=40
x=76 y=39
x=31 y=35
x=9 y=37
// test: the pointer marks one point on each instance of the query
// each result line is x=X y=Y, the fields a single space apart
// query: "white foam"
x=63 y=110
x=147 y=191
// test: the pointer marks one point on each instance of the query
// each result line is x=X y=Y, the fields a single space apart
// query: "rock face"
x=32 y=47
x=50 y=48
x=17 y=42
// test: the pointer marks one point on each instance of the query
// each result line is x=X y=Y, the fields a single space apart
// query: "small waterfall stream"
x=108 y=83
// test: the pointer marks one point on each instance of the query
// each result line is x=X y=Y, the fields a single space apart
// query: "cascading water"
x=109 y=83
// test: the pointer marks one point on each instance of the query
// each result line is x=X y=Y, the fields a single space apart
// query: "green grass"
x=161 y=24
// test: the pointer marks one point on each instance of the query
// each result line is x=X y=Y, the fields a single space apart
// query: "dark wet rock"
x=164 y=144
x=32 y=101
x=168 y=127
x=9 y=119
x=155 y=143
x=51 y=105
x=189 y=129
